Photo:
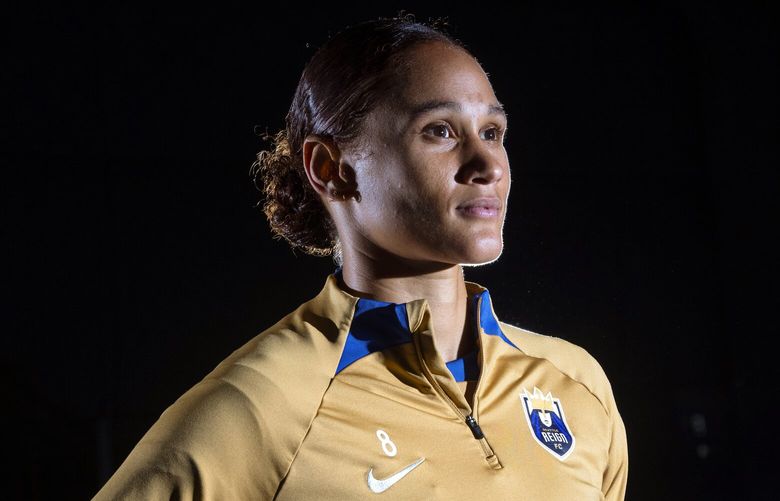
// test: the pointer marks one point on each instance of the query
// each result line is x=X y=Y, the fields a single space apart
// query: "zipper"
x=469 y=420
x=490 y=456
x=472 y=424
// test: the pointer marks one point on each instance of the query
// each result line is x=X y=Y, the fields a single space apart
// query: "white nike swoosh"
x=378 y=486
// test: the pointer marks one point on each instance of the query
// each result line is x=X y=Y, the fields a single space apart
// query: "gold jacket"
x=347 y=398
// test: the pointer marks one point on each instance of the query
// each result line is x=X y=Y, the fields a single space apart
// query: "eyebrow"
x=428 y=106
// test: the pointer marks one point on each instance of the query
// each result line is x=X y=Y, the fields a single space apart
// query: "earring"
x=344 y=195
x=336 y=195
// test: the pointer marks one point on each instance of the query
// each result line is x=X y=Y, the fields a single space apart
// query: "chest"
x=375 y=437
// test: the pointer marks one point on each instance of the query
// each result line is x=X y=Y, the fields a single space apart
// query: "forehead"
x=435 y=71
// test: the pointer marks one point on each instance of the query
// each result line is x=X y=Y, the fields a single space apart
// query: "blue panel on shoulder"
x=375 y=326
x=487 y=321
x=465 y=368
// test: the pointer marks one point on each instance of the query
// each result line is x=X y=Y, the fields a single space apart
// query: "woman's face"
x=432 y=169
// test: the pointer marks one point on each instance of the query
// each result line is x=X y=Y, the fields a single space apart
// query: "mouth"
x=480 y=208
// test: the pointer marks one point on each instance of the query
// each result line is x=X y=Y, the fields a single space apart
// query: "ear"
x=328 y=173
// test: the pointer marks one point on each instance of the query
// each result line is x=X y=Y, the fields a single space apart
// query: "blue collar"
x=377 y=325
x=465 y=368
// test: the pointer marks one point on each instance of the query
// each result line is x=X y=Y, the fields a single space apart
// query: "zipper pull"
x=490 y=456
x=474 y=426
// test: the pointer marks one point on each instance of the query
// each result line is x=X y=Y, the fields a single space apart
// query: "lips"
x=480 y=207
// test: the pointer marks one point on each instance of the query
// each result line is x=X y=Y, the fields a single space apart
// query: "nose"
x=482 y=163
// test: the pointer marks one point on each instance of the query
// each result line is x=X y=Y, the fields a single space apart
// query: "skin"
x=408 y=237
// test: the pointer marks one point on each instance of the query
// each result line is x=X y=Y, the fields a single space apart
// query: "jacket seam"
x=587 y=388
x=345 y=325
x=303 y=439
x=304 y=435
x=601 y=403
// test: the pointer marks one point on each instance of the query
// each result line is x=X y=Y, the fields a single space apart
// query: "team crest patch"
x=544 y=414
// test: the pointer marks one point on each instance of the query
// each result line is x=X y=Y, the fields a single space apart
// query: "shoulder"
x=303 y=347
x=277 y=378
x=577 y=364
x=568 y=358
x=236 y=432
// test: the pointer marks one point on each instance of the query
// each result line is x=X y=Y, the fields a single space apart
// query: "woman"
x=397 y=379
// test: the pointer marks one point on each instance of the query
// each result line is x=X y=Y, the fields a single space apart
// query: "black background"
x=640 y=223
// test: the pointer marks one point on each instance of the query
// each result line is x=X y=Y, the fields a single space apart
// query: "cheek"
x=421 y=199
x=384 y=199
x=403 y=193
x=398 y=216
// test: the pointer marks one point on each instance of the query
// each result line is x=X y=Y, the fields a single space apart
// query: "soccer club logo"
x=547 y=422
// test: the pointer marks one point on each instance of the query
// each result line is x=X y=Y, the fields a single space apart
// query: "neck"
x=396 y=280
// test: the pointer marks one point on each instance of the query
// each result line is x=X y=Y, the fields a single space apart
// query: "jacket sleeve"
x=616 y=473
x=235 y=434
x=577 y=364
x=210 y=444
x=152 y=473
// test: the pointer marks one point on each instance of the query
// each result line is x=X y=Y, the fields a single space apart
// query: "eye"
x=494 y=133
x=440 y=130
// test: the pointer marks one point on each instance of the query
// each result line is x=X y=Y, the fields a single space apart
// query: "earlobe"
x=344 y=186
x=342 y=196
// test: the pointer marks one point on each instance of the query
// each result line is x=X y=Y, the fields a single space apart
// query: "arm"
x=210 y=444
x=616 y=473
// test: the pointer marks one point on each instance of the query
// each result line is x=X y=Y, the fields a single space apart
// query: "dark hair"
x=339 y=86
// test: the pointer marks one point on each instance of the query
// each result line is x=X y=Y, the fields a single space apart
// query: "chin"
x=485 y=252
